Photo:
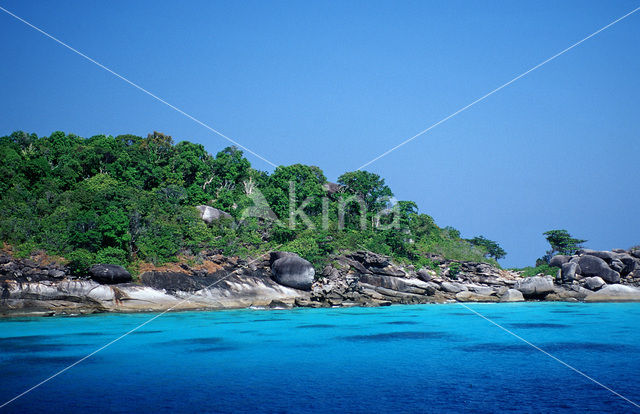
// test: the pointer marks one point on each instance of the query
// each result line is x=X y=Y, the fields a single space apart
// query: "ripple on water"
x=193 y=341
x=402 y=323
x=396 y=336
x=495 y=347
x=537 y=325
x=32 y=343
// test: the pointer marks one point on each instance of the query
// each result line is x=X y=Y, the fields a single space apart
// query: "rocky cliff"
x=281 y=279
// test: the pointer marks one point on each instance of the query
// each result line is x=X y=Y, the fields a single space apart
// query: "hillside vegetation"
x=130 y=200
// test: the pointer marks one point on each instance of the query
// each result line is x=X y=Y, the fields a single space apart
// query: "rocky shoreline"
x=283 y=280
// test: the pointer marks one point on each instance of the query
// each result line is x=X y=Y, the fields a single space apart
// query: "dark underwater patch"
x=145 y=332
x=31 y=343
x=549 y=347
x=402 y=323
x=473 y=314
x=396 y=336
x=194 y=341
x=317 y=325
x=269 y=320
x=221 y=348
x=497 y=347
x=85 y=334
x=588 y=346
x=536 y=325
x=50 y=360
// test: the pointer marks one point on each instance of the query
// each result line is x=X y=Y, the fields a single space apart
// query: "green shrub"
x=111 y=255
x=532 y=271
x=80 y=261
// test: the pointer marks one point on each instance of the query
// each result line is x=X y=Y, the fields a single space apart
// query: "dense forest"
x=130 y=200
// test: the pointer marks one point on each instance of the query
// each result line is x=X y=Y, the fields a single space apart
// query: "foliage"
x=128 y=200
x=542 y=268
x=561 y=243
x=492 y=248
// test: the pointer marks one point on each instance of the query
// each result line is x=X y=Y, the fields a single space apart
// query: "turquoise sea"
x=425 y=358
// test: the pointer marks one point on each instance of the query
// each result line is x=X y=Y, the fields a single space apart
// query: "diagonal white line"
x=482 y=98
x=549 y=355
x=135 y=85
x=125 y=334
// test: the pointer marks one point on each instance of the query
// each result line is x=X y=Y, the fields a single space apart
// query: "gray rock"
x=453 y=287
x=535 y=286
x=630 y=263
x=635 y=252
x=615 y=293
x=512 y=295
x=567 y=292
x=294 y=272
x=604 y=255
x=273 y=256
x=594 y=283
x=616 y=265
x=332 y=188
x=56 y=274
x=481 y=290
x=467 y=296
x=109 y=274
x=424 y=275
x=210 y=214
x=559 y=260
x=569 y=271
x=595 y=266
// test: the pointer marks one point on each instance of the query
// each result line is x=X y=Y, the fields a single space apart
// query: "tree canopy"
x=130 y=200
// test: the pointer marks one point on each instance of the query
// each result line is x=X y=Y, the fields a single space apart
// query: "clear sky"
x=336 y=83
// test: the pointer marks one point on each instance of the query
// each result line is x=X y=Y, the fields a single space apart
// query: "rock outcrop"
x=615 y=293
x=109 y=274
x=210 y=214
x=221 y=282
x=512 y=295
x=535 y=287
x=615 y=266
x=293 y=271
x=283 y=279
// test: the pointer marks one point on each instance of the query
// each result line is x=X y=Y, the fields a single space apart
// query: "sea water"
x=424 y=358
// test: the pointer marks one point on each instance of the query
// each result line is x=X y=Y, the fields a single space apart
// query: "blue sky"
x=335 y=84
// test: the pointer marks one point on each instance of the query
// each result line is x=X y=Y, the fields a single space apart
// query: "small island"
x=126 y=223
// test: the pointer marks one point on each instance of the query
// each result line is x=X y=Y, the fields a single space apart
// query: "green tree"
x=561 y=243
x=492 y=248
x=369 y=186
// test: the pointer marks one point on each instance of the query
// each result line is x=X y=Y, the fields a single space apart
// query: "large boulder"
x=512 y=295
x=595 y=266
x=109 y=274
x=424 y=275
x=332 y=188
x=453 y=287
x=210 y=214
x=468 y=296
x=594 y=282
x=615 y=293
x=273 y=256
x=294 y=272
x=616 y=265
x=559 y=260
x=630 y=263
x=604 y=255
x=535 y=286
x=569 y=271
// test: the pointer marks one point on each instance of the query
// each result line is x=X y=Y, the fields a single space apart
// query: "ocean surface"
x=423 y=358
